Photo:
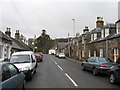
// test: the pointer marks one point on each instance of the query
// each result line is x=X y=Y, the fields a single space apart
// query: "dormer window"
x=102 y=33
x=91 y=37
x=95 y=36
x=118 y=27
x=106 y=32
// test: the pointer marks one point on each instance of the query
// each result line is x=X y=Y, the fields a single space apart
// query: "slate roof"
x=19 y=45
x=95 y=30
x=4 y=36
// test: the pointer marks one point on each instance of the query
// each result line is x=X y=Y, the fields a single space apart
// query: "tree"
x=44 y=42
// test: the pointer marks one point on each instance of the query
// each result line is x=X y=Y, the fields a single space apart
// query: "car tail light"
x=102 y=65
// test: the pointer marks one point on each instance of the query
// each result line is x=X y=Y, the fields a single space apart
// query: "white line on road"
x=71 y=80
x=54 y=61
x=59 y=67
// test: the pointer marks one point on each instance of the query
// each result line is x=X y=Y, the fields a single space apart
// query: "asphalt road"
x=65 y=73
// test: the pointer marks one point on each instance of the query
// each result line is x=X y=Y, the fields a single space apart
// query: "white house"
x=5 y=46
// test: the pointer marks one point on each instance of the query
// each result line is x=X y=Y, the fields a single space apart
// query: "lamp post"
x=73 y=26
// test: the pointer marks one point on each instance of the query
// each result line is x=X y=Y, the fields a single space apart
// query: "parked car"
x=25 y=61
x=97 y=65
x=39 y=57
x=61 y=55
x=57 y=54
x=114 y=74
x=10 y=76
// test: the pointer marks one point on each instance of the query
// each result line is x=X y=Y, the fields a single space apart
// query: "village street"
x=64 y=73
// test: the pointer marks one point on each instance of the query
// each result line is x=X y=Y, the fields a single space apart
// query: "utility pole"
x=73 y=26
x=68 y=45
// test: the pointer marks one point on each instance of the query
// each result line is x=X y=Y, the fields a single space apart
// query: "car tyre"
x=30 y=76
x=112 y=78
x=95 y=72
x=82 y=67
x=35 y=70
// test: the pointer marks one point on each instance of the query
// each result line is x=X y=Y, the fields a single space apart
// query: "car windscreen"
x=20 y=59
x=62 y=54
x=105 y=60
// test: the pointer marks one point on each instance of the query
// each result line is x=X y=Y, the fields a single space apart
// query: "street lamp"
x=73 y=26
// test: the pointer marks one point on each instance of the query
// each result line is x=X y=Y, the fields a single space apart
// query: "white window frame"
x=83 y=52
x=118 y=27
x=101 y=52
x=92 y=37
x=102 y=33
x=89 y=53
x=95 y=36
x=116 y=54
x=106 y=32
x=95 y=53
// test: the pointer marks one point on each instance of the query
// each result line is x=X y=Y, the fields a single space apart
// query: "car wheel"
x=30 y=76
x=35 y=70
x=112 y=78
x=95 y=72
x=82 y=67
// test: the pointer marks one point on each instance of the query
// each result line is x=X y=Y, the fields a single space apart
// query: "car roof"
x=22 y=52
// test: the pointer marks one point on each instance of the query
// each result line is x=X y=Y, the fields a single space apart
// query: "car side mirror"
x=33 y=60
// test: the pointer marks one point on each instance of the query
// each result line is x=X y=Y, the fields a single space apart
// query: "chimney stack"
x=86 y=29
x=99 y=22
x=7 y=32
x=17 y=35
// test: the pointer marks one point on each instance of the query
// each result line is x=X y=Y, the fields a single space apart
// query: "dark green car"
x=97 y=65
x=10 y=77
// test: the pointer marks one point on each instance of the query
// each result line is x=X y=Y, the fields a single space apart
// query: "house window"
x=115 y=54
x=106 y=32
x=95 y=36
x=89 y=53
x=1 y=51
x=95 y=54
x=83 y=54
x=118 y=27
x=101 y=52
x=91 y=37
x=102 y=33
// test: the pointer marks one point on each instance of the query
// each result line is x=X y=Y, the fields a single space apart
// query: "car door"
x=7 y=81
x=33 y=61
x=118 y=72
x=92 y=62
x=88 y=63
x=11 y=77
x=16 y=75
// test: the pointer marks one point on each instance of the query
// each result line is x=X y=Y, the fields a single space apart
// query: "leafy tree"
x=44 y=42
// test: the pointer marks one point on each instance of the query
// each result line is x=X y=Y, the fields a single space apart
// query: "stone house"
x=5 y=46
x=17 y=42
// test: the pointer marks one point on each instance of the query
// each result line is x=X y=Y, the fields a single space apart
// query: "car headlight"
x=23 y=69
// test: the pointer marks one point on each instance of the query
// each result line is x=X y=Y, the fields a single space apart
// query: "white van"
x=25 y=61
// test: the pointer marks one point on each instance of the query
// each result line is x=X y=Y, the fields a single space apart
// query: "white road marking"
x=55 y=63
x=59 y=67
x=71 y=80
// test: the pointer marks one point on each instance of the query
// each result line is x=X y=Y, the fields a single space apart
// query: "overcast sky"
x=55 y=16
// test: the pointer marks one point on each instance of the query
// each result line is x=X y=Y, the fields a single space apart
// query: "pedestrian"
x=118 y=60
